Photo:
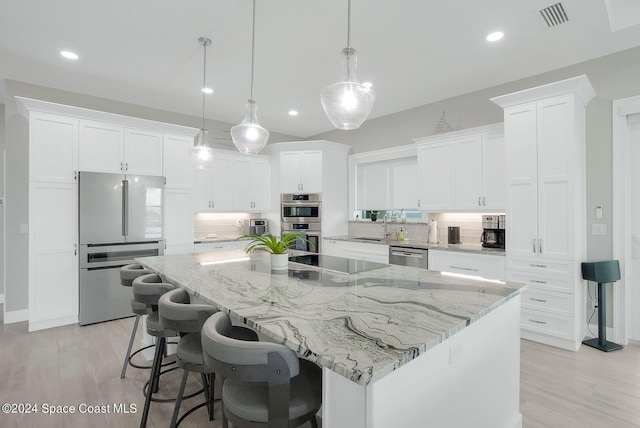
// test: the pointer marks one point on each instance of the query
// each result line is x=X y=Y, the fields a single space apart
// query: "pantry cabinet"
x=462 y=170
x=546 y=206
x=178 y=220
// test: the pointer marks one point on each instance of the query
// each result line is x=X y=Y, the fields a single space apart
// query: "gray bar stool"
x=265 y=384
x=148 y=289
x=127 y=274
x=178 y=313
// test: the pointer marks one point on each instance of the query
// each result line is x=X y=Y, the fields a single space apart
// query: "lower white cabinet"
x=356 y=250
x=483 y=265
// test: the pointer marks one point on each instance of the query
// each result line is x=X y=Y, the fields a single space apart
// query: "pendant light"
x=202 y=153
x=248 y=136
x=347 y=103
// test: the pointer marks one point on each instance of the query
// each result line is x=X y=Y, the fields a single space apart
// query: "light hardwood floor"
x=72 y=365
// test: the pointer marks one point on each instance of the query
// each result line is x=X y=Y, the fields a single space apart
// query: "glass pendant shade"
x=202 y=154
x=347 y=103
x=248 y=136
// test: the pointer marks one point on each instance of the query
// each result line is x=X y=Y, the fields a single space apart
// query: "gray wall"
x=17 y=192
x=613 y=77
x=1 y=195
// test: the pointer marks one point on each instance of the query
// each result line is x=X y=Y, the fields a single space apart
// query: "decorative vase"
x=279 y=261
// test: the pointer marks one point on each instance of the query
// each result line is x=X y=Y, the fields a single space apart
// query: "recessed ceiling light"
x=293 y=112
x=367 y=84
x=207 y=90
x=69 y=54
x=495 y=36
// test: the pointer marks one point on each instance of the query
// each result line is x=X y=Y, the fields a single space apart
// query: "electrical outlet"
x=599 y=211
x=598 y=229
x=24 y=228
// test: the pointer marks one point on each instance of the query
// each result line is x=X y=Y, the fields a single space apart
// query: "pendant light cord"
x=204 y=79
x=253 y=45
x=348 y=24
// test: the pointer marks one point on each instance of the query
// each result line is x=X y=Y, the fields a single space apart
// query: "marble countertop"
x=362 y=326
x=464 y=248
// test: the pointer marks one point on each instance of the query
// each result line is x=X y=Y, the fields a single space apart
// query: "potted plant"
x=276 y=247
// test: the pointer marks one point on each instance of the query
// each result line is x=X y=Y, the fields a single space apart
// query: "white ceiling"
x=414 y=51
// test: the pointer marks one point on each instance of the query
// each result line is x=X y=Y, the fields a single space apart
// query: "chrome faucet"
x=387 y=234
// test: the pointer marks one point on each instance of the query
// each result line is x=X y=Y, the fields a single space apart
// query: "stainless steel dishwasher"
x=408 y=256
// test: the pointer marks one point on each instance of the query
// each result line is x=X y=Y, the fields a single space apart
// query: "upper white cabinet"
x=53 y=148
x=235 y=182
x=177 y=165
x=111 y=148
x=546 y=211
x=301 y=171
x=462 y=170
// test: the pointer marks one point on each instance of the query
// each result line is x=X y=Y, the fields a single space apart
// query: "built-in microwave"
x=301 y=208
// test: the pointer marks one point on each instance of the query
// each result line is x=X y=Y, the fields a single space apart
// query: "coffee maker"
x=258 y=226
x=493 y=234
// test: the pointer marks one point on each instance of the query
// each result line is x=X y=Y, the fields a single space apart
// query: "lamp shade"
x=347 y=103
x=201 y=153
x=248 y=136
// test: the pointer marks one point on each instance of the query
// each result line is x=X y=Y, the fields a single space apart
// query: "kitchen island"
x=399 y=346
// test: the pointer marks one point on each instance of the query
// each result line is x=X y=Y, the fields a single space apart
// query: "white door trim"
x=622 y=108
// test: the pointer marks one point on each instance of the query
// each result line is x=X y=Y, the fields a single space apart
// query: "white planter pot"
x=279 y=261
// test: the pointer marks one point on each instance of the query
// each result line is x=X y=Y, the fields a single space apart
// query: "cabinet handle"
x=537 y=281
x=301 y=186
x=75 y=175
x=540 y=246
x=537 y=322
x=484 y=201
x=479 y=198
x=75 y=249
x=534 y=247
x=419 y=203
x=213 y=204
x=121 y=167
x=535 y=265
x=538 y=300
x=463 y=268
x=126 y=166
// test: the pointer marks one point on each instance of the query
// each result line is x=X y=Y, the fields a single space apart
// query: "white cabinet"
x=234 y=183
x=462 y=170
x=356 y=250
x=545 y=212
x=53 y=221
x=177 y=165
x=388 y=184
x=205 y=247
x=483 y=265
x=111 y=148
x=178 y=221
x=301 y=171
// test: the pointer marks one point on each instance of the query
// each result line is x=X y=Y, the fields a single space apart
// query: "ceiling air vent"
x=554 y=15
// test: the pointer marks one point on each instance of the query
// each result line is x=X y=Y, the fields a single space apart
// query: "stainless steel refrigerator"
x=121 y=217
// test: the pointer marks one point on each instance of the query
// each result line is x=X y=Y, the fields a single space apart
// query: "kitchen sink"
x=369 y=239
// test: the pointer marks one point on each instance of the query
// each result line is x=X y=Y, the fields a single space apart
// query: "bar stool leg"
x=153 y=380
x=133 y=336
x=176 y=409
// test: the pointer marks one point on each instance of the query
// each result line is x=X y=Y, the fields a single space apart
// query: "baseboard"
x=54 y=322
x=11 y=317
x=517 y=422
x=634 y=341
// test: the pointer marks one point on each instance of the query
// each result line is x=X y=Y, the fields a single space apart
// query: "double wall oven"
x=303 y=213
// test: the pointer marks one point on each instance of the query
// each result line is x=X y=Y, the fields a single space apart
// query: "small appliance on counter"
x=433 y=232
x=258 y=226
x=454 y=235
x=493 y=234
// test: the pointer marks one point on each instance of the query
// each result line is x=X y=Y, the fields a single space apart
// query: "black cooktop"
x=336 y=264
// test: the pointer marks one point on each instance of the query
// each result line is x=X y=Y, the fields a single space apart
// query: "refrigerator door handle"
x=125 y=207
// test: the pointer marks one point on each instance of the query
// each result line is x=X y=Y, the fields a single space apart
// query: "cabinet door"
x=290 y=164
x=373 y=186
x=53 y=260
x=101 y=147
x=468 y=173
x=493 y=172
x=436 y=177
x=261 y=184
x=521 y=167
x=555 y=201
x=242 y=184
x=177 y=166
x=311 y=171
x=53 y=148
x=221 y=195
x=142 y=152
x=333 y=248
x=178 y=217
x=202 y=189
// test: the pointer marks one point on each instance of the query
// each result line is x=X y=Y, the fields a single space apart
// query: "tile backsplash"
x=221 y=225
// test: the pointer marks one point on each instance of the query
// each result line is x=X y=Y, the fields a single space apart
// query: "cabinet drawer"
x=540 y=265
x=562 y=283
x=546 y=323
x=548 y=301
x=490 y=267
